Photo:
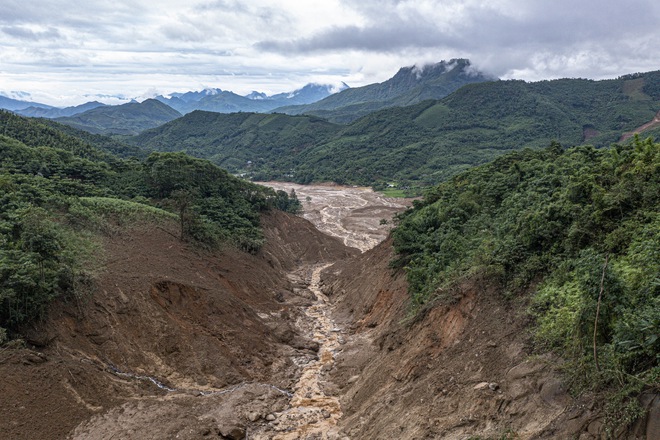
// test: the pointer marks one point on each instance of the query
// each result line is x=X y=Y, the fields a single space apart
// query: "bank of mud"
x=197 y=322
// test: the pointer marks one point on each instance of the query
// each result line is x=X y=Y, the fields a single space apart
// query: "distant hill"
x=424 y=143
x=409 y=86
x=17 y=104
x=239 y=142
x=125 y=119
x=222 y=101
x=102 y=142
x=55 y=112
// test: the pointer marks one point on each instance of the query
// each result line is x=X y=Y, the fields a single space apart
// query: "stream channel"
x=355 y=216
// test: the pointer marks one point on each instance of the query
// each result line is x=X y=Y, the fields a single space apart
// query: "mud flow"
x=312 y=412
x=353 y=214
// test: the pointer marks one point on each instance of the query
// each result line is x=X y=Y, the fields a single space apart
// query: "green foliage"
x=250 y=143
x=409 y=86
x=58 y=193
x=40 y=260
x=104 y=143
x=288 y=202
x=421 y=144
x=552 y=218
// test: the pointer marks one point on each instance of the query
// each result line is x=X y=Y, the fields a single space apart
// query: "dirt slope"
x=194 y=321
x=177 y=343
x=655 y=122
x=458 y=371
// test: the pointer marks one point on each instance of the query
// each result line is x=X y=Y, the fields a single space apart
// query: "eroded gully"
x=353 y=215
x=312 y=412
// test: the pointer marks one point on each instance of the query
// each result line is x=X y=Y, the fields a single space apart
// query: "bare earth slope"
x=178 y=343
x=167 y=314
x=453 y=372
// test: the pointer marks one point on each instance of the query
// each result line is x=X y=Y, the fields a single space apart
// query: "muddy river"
x=354 y=214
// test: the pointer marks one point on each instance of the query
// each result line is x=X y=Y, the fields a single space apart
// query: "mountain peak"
x=256 y=95
x=435 y=69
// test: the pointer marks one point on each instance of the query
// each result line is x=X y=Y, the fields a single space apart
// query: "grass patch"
x=394 y=193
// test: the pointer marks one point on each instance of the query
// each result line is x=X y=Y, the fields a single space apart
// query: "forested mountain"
x=240 y=142
x=223 y=101
x=126 y=119
x=421 y=144
x=409 y=86
x=59 y=194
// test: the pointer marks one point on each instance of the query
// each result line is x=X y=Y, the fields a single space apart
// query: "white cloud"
x=57 y=48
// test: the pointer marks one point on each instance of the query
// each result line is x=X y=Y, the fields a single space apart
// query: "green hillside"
x=126 y=119
x=409 y=86
x=418 y=145
x=59 y=195
x=428 y=142
x=580 y=230
x=232 y=140
x=106 y=143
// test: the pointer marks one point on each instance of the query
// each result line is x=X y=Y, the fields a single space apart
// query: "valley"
x=306 y=340
x=149 y=289
x=353 y=214
x=181 y=369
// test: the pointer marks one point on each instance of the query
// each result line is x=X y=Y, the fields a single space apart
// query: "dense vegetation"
x=240 y=142
x=59 y=195
x=581 y=227
x=419 y=145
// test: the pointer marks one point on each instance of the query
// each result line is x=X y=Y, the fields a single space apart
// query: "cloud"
x=505 y=36
x=129 y=46
x=372 y=38
x=25 y=33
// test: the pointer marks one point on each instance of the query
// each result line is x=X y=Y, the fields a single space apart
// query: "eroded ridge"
x=312 y=412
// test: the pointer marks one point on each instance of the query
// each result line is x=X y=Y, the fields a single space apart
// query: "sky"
x=73 y=51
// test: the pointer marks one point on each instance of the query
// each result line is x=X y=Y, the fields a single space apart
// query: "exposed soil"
x=199 y=323
x=655 y=122
x=179 y=343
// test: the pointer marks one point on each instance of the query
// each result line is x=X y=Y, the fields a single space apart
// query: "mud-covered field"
x=353 y=214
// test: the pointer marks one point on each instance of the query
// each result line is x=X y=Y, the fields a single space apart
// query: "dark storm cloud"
x=515 y=33
x=543 y=23
x=378 y=39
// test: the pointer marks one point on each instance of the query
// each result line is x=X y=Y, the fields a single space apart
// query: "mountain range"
x=409 y=86
x=125 y=119
x=36 y=111
x=421 y=144
x=211 y=99
x=222 y=101
x=340 y=104
x=420 y=127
